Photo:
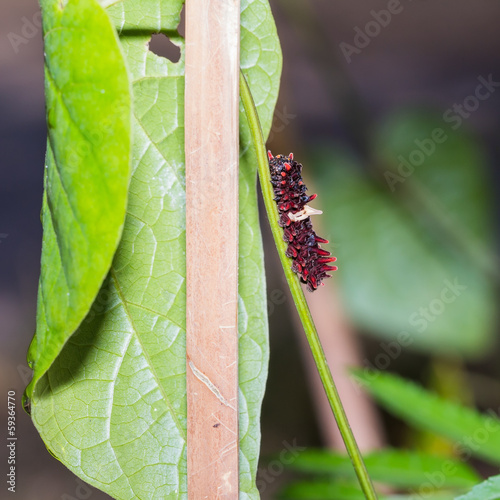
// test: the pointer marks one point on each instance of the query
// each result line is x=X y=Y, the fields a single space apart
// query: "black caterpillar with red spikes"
x=310 y=261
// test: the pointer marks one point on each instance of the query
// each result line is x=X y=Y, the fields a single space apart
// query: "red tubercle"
x=320 y=251
x=326 y=260
x=329 y=268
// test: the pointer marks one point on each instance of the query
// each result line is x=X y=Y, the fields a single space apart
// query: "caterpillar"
x=310 y=261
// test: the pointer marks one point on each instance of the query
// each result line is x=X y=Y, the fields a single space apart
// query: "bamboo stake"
x=211 y=133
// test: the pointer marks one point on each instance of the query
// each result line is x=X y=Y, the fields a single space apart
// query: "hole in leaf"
x=162 y=46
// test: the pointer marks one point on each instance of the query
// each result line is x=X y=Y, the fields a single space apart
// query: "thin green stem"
x=298 y=294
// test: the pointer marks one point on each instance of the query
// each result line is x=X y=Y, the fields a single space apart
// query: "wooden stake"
x=211 y=132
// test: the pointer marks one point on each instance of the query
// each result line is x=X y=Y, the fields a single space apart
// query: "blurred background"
x=394 y=110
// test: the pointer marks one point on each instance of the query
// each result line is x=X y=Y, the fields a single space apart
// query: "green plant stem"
x=298 y=294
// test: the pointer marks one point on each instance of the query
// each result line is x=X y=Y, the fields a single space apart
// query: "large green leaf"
x=487 y=490
x=413 y=252
x=474 y=434
x=113 y=406
x=87 y=169
x=404 y=469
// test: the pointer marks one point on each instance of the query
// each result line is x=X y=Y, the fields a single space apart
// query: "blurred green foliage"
x=412 y=233
x=412 y=473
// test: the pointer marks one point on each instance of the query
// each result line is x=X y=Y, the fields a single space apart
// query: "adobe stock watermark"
x=364 y=36
x=275 y=468
x=436 y=307
x=29 y=29
x=427 y=146
x=82 y=491
x=464 y=449
x=420 y=319
x=276 y=298
x=25 y=374
x=101 y=304
x=281 y=119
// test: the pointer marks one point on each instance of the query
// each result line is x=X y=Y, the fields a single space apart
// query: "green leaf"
x=487 y=490
x=328 y=490
x=438 y=495
x=474 y=434
x=400 y=270
x=405 y=469
x=150 y=17
x=322 y=490
x=87 y=169
x=113 y=405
